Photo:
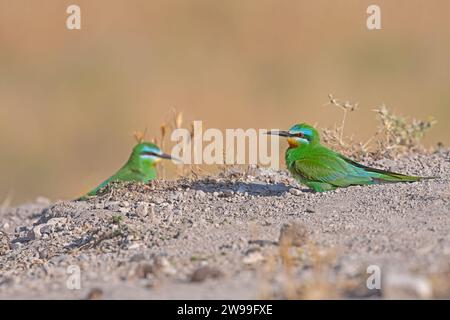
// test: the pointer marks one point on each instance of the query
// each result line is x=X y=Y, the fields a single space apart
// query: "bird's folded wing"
x=332 y=170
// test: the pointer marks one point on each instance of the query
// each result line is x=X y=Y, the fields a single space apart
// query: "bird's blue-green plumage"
x=322 y=169
x=140 y=167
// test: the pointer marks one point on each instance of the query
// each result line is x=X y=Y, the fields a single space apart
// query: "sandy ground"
x=254 y=234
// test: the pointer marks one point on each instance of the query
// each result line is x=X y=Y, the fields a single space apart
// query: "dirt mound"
x=243 y=235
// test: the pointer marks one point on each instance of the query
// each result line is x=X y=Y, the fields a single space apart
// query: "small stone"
x=178 y=196
x=406 y=286
x=241 y=189
x=158 y=200
x=253 y=257
x=154 y=219
x=35 y=233
x=205 y=272
x=200 y=193
x=144 y=270
x=99 y=205
x=142 y=209
x=58 y=259
x=113 y=206
x=46 y=229
x=124 y=210
x=135 y=245
x=227 y=193
x=295 y=191
x=16 y=245
x=20 y=229
x=137 y=257
x=55 y=221
x=215 y=194
x=4 y=243
x=163 y=265
x=43 y=254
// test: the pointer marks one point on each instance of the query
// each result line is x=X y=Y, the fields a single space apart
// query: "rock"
x=137 y=257
x=4 y=243
x=16 y=245
x=35 y=233
x=252 y=257
x=241 y=189
x=142 y=209
x=43 y=254
x=55 y=221
x=158 y=200
x=293 y=234
x=177 y=196
x=46 y=229
x=99 y=205
x=205 y=272
x=113 y=206
x=152 y=215
x=295 y=191
x=227 y=193
x=406 y=286
x=135 y=246
x=124 y=210
x=21 y=229
x=163 y=265
x=143 y=270
x=200 y=193
x=59 y=259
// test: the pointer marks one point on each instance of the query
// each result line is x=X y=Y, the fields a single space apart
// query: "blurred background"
x=70 y=100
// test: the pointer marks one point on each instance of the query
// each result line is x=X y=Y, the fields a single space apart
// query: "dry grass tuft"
x=400 y=135
x=298 y=269
x=395 y=135
x=139 y=136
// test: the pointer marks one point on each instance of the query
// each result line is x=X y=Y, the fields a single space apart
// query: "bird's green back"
x=138 y=168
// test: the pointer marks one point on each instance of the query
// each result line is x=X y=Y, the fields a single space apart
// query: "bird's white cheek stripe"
x=153 y=158
x=303 y=141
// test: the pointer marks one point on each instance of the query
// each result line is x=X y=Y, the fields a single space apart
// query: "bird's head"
x=149 y=153
x=299 y=135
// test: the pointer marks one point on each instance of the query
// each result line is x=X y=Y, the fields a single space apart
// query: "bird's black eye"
x=300 y=135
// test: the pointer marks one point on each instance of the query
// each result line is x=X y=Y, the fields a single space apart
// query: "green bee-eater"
x=140 y=167
x=322 y=169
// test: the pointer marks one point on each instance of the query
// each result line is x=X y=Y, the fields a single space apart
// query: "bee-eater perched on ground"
x=322 y=169
x=140 y=167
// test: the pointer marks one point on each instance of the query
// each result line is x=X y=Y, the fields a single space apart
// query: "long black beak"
x=279 y=133
x=168 y=156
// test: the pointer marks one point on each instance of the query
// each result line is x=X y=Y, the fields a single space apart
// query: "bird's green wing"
x=124 y=174
x=381 y=176
x=328 y=168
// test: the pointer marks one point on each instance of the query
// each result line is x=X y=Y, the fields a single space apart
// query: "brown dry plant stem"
x=395 y=135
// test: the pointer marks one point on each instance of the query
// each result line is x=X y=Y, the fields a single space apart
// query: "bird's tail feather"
x=384 y=176
x=387 y=177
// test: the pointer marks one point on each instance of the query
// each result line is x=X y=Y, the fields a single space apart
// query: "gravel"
x=254 y=234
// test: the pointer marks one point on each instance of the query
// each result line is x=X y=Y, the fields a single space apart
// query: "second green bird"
x=140 y=167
